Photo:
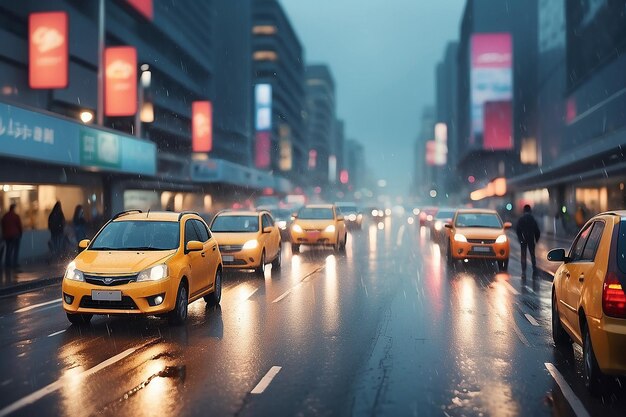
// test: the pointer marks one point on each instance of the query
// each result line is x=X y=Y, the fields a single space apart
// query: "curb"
x=28 y=286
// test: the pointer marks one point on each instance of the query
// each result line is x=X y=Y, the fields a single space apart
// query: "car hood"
x=234 y=238
x=313 y=224
x=479 y=232
x=119 y=262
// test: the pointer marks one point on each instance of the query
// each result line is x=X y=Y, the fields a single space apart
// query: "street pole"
x=100 y=105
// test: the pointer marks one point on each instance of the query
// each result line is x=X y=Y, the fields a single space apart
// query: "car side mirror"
x=557 y=255
x=194 y=246
x=267 y=229
x=83 y=243
x=294 y=216
x=448 y=225
x=508 y=225
x=341 y=219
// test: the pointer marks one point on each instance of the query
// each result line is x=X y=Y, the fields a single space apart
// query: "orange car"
x=478 y=234
x=588 y=299
x=321 y=225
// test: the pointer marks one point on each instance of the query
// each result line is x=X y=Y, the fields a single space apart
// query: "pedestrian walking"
x=79 y=223
x=56 y=225
x=12 y=235
x=528 y=234
x=580 y=217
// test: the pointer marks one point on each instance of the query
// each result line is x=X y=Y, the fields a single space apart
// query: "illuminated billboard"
x=263 y=107
x=491 y=77
x=144 y=7
x=47 y=50
x=498 y=124
x=201 y=126
x=120 y=87
x=262 y=157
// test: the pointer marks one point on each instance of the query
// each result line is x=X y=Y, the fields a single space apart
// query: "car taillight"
x=613 y=297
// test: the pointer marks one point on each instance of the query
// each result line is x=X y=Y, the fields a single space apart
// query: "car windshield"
x=445 y=214
x=235 y=224
x=487 y=220
x=281 y=214
x=315 y=213
x=138 y=235
x=347 y=209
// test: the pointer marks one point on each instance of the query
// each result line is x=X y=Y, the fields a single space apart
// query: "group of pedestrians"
x=12 y=230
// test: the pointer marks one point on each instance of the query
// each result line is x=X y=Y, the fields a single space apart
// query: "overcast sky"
x=382 y=54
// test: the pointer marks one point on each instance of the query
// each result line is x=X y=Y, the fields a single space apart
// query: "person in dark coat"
x=79 y=223
x=12 y=234
x=56 y=225
x=528 y=234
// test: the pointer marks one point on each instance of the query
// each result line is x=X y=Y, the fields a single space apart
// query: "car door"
x=340 y=226
x=571 y=271
x=196 y=261
x=212 y=254
x=275 y=235
x=268 y=238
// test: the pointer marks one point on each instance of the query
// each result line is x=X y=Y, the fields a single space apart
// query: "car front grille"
x=230 y=248
x=234 y=262
x=110 y=281
x=482 y=241
x=127 y=303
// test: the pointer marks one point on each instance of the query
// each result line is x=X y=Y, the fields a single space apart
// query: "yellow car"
x=319 y=224
x=588 y=300
x=248 y=239
x=144 y=263
x=478 y=234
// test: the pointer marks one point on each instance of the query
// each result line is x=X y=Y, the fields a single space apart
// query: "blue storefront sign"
x=35 y=136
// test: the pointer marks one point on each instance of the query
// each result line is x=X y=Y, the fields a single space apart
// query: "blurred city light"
x=86 y=116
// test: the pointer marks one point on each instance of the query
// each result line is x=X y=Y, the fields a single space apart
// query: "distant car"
x=426 y=215
x=319 y=225
x=588 y=299
x=144 y=263
x=351 y=214
x=478 y=234
x=438 y=231
x=283 y=220
x=248 y=240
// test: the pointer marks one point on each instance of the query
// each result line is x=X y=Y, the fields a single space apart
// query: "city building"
x=446 y=113
x=582 y=158
x=338 y=151
x=497 y=83
x=320 y=103
x=424 y=170
x=355 y=165
x=278 y=95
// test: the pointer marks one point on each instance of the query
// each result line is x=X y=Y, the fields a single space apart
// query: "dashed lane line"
x=57 y=333
x=34 y=306
x=568 y=393
x=266 y=380
x=531 y=319
x=286 y=293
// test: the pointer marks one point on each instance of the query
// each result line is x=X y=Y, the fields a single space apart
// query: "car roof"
x=326 y=206
x=240 y=213
x=167 y=216
x=476 y=211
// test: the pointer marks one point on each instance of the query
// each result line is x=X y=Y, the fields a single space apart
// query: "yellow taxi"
x=248 y=239
x=152 y=263
x=321 y=225
x=478 y=234
x=588 y=300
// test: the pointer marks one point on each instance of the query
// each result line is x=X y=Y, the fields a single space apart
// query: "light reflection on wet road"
x=385 y=328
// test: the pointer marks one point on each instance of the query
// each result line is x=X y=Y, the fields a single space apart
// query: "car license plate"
x=106 y=295
x=228 y=258
x=482 y=249
x=313 y=235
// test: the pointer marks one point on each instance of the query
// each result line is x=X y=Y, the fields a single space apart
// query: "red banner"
x=120 y=87
x=201 y=126
x=262 y=155
x=498 y=124
x=48 y=50
x=143 y=6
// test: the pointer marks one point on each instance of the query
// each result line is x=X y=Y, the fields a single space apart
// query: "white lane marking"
x=510 y=288
x=530 y=290
x=56 y=333
x=519 y=333
x=568 y=393
x=400 y=235
x=531 y=319
x=34 y=306
x=55 y=386
x=283 y=295
x=304 y=279
x=266 y=380
x=250 y=295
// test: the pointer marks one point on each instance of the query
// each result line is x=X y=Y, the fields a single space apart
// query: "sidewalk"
x=29 y=277
x=545 y=244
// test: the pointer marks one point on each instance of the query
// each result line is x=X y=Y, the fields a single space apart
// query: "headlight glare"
x=251 y=244
x=460 y=238
x=296 y=228
x=74 y=274
x=330 y=229
x=155 y=273
x=282 y=224
x=501 y=239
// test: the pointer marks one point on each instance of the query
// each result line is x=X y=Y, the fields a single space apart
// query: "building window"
x=528 y=153
x=265 y=56
x=264 y=30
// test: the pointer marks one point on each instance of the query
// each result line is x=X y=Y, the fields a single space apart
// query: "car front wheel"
x=215 y=297
x=79 y=319
x=591 y=370
x=559 y=336
x=260 y=270
x=179 y=314
x=276 y=263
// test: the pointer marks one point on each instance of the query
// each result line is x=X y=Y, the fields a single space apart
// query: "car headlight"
x=429 y=217
x=74 y=274
x=251 y=244
x=296 y=228
x=155 y=273
x=460 y=238
x=330 y=229
x=352 y=217
x=375 y=213
x=282 y=224
x=437 y=225
x=359 y=216
x=501 y=239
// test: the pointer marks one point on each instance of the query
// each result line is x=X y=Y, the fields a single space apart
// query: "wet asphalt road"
x=385 y=329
